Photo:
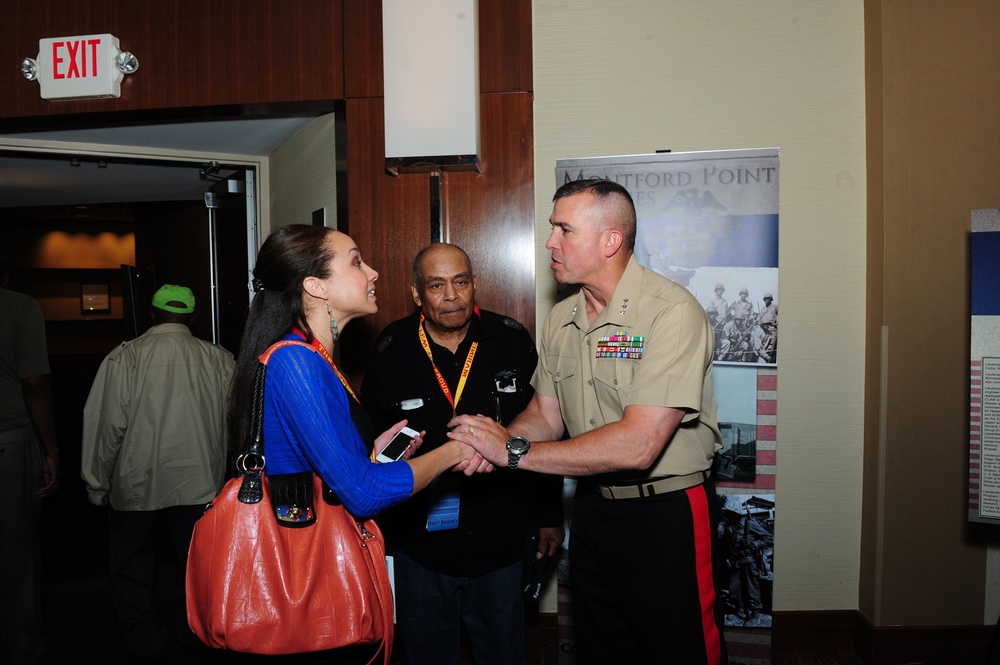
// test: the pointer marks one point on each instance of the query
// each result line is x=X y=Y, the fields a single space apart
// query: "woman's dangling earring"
x=333 y=322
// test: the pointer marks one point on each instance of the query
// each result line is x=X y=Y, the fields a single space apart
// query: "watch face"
x=517 y=445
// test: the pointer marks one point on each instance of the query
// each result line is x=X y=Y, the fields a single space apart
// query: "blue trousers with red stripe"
x=643 y=578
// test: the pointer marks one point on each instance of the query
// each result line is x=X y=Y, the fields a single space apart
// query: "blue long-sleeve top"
x=308 y=427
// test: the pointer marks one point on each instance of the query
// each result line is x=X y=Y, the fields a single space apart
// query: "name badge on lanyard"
x=443 y=504
x=443 y=509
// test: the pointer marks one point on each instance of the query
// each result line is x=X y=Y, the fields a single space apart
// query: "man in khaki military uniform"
x=626 y=364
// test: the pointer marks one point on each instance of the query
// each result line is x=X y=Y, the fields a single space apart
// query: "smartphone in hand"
x=395 y=449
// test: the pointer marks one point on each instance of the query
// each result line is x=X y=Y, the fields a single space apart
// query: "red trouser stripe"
x=703 y=569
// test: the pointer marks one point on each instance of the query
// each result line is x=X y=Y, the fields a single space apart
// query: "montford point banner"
x=709 y=221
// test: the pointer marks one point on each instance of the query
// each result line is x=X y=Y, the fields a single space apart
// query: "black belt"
x=653 y=486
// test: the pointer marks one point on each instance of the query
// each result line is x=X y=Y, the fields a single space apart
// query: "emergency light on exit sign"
x=81 y=67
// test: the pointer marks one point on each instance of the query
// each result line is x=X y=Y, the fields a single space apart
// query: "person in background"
x=740 y=314
x=154 y=451
x=717 y=309
x=29 y=469
x=626 y=367
x=310 y=282
x=463 y=567
x=765 y=334
x=741 y=539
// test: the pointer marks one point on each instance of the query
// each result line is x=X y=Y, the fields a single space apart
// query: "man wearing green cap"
x=154 y=451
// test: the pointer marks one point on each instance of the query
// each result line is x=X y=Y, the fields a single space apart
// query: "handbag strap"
x=251 y=460
x=375 y=549
x=280 y=344
x=255 y=438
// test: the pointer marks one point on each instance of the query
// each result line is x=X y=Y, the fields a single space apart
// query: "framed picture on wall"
x=95 y=298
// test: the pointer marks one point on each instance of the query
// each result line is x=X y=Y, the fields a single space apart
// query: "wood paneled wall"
x=192 y=54
x=231 y=57
x=489 y=214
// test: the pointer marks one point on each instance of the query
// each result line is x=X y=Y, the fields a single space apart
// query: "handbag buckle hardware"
x=243 y=462
x=365 y=533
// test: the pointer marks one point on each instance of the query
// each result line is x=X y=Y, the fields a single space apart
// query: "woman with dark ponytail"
x=310 y=282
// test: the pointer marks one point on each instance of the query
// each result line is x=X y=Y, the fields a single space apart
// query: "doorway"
x=201 y=231
x=59 y=248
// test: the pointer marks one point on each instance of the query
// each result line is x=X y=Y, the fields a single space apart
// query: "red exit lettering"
x=79 y=54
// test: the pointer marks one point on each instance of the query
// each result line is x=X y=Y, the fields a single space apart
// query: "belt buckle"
x=623 y=491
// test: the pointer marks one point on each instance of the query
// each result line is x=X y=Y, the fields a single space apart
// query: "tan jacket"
x=154 y=432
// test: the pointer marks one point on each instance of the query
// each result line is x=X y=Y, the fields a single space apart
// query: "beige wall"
x=934 y=92
x=303 y=176
x=637 y=76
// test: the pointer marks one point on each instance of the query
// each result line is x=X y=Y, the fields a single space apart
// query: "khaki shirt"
x=667 y=332
x=154 y=426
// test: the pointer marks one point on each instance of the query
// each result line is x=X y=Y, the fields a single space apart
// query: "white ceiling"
x=30 y=179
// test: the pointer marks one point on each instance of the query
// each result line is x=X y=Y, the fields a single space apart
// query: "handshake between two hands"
x=485 y=439
x=482 y=440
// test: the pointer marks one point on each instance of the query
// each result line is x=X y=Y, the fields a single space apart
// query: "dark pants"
x=432 y=607
x=21 y=461
x=132 y=563
x=643 y=578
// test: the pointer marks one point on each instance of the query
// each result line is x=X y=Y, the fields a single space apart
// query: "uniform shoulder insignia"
x=511 y=323
x=384 y=344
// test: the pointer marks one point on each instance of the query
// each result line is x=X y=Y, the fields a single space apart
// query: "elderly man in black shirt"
x=459 y=544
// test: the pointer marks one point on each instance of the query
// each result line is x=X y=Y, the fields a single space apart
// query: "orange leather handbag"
x=279 y=571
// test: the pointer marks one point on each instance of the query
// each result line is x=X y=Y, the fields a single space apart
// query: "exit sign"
x=81 y=67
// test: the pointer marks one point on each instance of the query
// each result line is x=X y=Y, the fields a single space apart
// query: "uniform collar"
x=623 y=306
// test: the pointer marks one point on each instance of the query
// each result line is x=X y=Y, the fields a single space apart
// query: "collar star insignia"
x=624 y=306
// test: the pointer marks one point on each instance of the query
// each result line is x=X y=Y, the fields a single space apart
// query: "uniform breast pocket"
x=614 y=376
x=565 y=372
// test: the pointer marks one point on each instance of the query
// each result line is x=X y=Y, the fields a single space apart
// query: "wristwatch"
x=517 y=447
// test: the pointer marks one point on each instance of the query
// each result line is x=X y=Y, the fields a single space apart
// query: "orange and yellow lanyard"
x=437 y=373
x=316 y=344
x=323 y=352
x=343 y=379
